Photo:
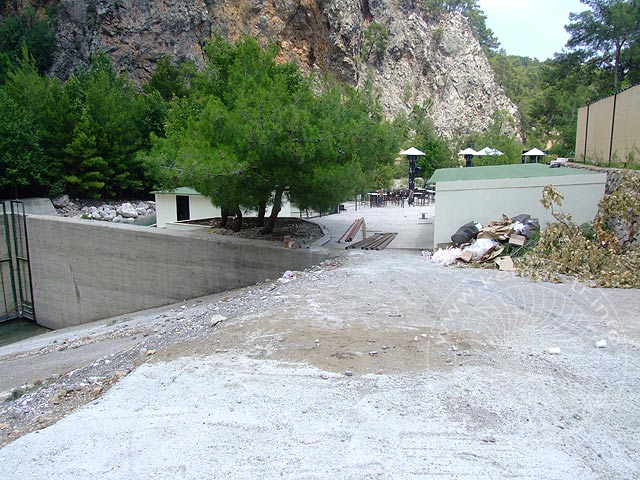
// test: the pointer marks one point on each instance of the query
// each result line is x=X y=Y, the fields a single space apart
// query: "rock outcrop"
x=432 y=62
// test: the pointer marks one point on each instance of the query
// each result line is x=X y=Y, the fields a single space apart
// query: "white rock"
x=127 y=211
x=554 y=350
x=141 y=211
x=601 y=344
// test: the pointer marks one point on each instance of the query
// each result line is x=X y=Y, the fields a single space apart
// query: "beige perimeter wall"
x=609 y=130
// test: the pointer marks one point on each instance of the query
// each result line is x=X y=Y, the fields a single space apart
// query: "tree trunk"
x=262 y=209
x=616 y=69
x=237 y=225
x=275 y=210
x=224 y=217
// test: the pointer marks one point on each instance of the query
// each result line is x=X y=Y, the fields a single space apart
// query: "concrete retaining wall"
x=85 y=271
x=614 y=175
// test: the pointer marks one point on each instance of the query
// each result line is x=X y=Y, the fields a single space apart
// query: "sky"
x=530 y=28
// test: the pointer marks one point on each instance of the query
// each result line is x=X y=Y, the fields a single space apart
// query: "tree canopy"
x=252 y=130
x=606 y=35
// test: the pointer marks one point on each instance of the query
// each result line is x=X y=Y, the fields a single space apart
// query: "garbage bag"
x=465 y=233
x=522 y=218
x=480 y=247
x=531 y=227
x=446 y=256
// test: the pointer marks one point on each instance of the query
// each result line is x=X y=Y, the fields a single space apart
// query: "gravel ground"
x=376 y=365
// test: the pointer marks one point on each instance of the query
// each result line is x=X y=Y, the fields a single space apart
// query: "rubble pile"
x=604 y=254
x=499 y=241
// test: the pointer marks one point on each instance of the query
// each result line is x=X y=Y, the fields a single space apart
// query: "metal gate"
x=15 y=268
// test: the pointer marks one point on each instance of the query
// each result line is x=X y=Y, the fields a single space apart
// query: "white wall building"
x=483 y=194
x=181 y=204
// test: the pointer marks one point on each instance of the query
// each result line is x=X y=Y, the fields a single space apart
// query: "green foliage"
x=43 y=100
x=376 y=41
x=588 y=254
x=437 y=150
x=520 y=77
x=606 y=35
x=495 y=137
x=171 y=80
x=90 y=129
x=20 y=155
x=253 y=130
x=472 y=11
x=25 y=31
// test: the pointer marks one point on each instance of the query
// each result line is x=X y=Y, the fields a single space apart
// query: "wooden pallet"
x=379 y=241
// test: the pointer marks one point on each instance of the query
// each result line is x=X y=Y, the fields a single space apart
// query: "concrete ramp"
x=36 y=206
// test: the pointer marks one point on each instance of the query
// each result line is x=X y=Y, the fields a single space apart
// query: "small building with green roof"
x=483 y=194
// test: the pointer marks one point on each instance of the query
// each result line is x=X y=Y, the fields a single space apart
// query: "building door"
x=182 y=207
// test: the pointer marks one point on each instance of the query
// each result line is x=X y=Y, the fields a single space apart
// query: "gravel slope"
x=377 y=365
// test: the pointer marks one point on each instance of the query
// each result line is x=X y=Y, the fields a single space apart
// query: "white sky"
x=530 y=28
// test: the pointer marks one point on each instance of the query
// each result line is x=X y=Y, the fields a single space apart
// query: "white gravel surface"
x=383 y=367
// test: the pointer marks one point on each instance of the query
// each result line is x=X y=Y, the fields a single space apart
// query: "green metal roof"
x=178 y=191
x=494 y=172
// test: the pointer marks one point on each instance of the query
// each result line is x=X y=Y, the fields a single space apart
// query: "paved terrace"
x=414 y=232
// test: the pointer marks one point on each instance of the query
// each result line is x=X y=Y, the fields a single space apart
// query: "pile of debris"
x=499 y=241
x=603 y=254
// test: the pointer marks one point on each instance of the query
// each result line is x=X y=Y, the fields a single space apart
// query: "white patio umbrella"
x=468 y=151
x=412 y=152
x=490 y=151
x=535 y=153
x=468 y=155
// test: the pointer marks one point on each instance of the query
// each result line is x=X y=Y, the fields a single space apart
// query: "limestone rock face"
x=434 y=63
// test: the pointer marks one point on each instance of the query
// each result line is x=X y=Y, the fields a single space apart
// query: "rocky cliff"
x=411 y=59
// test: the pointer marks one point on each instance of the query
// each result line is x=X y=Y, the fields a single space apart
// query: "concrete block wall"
x=85 y=271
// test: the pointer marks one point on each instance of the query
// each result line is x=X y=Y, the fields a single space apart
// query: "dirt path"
x=379 y=364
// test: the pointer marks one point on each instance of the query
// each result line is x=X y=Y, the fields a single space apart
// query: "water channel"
x=18 y=329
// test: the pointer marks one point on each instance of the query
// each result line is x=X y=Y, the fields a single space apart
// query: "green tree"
x=26 y=30
x=437 y=149
x=495 y=137
x=44 y=100
x=117 y=121
x=90 y=172
x=376 y=41
x=253 y=131
x=21 y=166
x=171 y=80
x=604 y=34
